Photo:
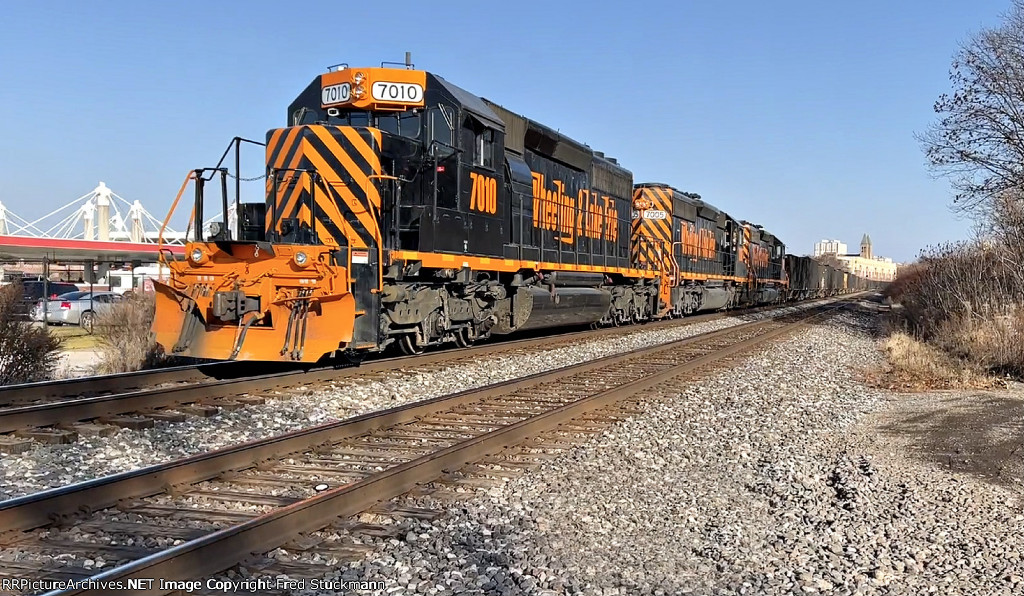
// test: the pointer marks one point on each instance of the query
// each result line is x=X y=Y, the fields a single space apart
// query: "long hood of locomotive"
x=346 y=161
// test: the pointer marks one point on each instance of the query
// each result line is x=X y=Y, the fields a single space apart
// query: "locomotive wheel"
x=409 y=346
x=462 y=338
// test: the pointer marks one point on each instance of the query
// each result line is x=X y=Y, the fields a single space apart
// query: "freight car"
x=807 y=278
x=810 y=279
x=403 y=211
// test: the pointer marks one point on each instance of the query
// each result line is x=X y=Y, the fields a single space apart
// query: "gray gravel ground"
x=759 y=480
x=48 y=466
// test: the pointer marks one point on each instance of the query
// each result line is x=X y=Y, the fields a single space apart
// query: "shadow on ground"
x=972 y=432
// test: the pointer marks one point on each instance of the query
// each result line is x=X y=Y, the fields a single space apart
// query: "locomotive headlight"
x=301 y=259
x=359 y=78
x=359 y=91
x=197 y=255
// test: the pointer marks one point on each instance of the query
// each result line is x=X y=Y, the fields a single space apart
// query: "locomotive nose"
x=229 y=307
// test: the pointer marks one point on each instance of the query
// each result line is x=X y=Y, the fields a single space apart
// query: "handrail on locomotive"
x=198 y=176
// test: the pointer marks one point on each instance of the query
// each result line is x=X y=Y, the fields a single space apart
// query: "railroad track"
x=98 y=406
x=97 y=385
x=89 y=386
x=28 y=393
x=198 y=516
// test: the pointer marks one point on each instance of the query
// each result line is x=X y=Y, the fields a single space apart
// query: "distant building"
x=829 y=247
x=866 y=264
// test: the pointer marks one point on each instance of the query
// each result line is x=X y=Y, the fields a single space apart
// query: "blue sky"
x=798 y=115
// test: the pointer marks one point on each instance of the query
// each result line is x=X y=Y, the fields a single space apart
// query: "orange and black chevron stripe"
x=744 y=252
x=651 y=237
x=346 y=161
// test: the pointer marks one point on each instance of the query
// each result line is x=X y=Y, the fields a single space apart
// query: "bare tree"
x=1002 y=234
x=830 y=259
x=968 y=297
x=978 y=140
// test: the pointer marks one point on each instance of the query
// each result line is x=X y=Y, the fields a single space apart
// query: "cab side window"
x=441 y=126
x=483 y=153
x=482 y=139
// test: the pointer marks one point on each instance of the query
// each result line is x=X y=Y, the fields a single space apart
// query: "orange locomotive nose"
x=289 y=303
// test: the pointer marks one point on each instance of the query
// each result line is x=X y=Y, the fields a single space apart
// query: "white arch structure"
x=101 y=215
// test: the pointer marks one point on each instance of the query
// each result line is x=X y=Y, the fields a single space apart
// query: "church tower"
x=865 y=247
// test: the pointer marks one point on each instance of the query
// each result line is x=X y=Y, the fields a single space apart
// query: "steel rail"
x=38 y=509
x=97 y=384
x=55 y=505
x=70 y=411
x=219 y=550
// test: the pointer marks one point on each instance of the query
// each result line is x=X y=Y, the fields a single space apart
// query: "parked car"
x=75 y=308
x=32 y=290
x=54 y=307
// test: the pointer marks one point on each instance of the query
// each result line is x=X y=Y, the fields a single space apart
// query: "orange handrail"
x=174 y=205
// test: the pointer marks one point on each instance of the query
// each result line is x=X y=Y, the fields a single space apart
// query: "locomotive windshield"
x=405 y=123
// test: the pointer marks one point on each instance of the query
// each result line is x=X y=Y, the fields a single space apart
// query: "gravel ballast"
x=763 y=479
x=49 y=466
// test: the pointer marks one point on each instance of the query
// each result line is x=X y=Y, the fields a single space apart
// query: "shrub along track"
x=224 y=505
x=204 y=389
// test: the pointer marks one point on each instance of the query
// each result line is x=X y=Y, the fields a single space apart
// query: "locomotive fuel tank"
x=715 y=298
x=766 y=295
x=537 y=307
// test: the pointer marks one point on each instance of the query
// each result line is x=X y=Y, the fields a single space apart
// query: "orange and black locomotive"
x=402 y=210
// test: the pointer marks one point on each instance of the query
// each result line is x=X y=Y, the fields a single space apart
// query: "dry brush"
x=27 y=351
x=126 y=342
